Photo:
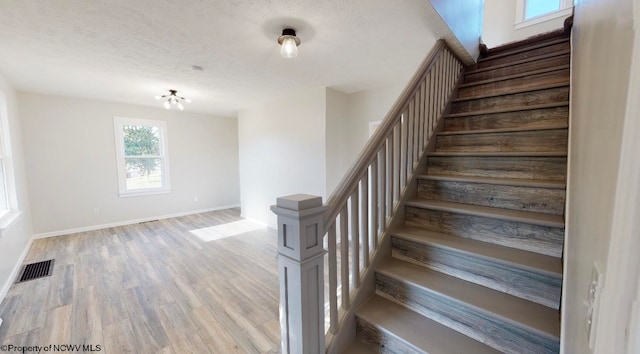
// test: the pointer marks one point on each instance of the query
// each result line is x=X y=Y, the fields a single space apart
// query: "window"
x=143 y=161
x=535 y=8
x=4 y=201
x=531 y=12
x=9 y=212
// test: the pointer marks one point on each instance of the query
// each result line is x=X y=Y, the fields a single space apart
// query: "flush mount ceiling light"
x=173 y=99
x=289 y=43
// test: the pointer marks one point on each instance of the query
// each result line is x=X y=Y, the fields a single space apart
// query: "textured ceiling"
x=130 y=51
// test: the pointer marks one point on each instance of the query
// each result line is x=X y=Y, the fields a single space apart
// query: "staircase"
x=476 y=265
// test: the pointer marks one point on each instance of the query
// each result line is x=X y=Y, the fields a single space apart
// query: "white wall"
x=15 y=240
x=71 y=162
x=602 y=46
x=348 y=117
x=337 y=138
x=499 y=24
x=464 y=18
x=367 y=106
x=282 y=152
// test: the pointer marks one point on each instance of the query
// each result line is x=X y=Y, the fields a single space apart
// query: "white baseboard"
x=14 y=273
x=129 y=222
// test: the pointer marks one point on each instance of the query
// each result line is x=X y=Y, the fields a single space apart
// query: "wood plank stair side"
x=494 y=193
x=553 y=93
x=534 y=232
x=509 y=109
x=538 y=71
x=533 y=166
x=522 y=66
x=527 y=275
x=539 y=38
x=499 y=320
x=409 y=332
x=505 y=141
x=522 y=81
x=525 y=52
x=475 y=130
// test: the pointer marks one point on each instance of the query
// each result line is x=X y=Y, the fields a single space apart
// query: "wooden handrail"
x=375 y=143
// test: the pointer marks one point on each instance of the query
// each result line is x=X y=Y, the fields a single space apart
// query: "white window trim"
x=118 y=122
x=566 y=9
x=12 y=214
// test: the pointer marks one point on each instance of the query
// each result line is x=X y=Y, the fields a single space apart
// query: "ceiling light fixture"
x=289 y=43
x=173 y=99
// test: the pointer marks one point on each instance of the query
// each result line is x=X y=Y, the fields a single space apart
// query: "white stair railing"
x=357 y=214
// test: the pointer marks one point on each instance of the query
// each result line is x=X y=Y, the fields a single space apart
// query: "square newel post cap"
x=300 y=226
x=298 y=205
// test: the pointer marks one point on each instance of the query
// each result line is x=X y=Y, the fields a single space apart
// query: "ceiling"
x=130 y=51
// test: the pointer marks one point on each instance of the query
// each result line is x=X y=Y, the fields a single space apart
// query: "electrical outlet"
x=593 y=302
x=96 y=210
x=195 y=199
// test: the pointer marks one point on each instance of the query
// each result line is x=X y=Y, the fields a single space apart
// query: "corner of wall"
x=16 y=238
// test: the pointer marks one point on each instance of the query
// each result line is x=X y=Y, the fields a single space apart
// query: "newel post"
x=301 y=273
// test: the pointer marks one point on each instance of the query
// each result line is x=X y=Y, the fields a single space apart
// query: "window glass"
x=535 y=8
x=142 y=156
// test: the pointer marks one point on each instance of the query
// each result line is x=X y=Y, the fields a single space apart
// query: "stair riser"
x=545 y=168
x=541 y=288
x=525 y=82
x=525 y=54
x=528 y=237
x=385 y=342
x=518 y=68
x=537 y=200
x=527 y=141
x=552 y=95
x=536 y=118
x=481 y=326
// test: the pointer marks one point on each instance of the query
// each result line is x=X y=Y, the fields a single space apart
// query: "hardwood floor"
x=152 y=287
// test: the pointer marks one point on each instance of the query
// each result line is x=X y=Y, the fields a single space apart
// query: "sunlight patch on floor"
x=234 y=228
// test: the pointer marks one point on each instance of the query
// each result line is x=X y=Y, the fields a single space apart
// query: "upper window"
x=535 y=8
x=143 y=160
x=531 y=12
x=9 y=212
x=4 y=200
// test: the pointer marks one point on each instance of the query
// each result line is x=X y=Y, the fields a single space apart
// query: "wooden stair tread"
x=514 y=257
x=522 y=313
x=515 y=76
x=514 y=91
x=502 y=130
x=555 y=34
x=501 y=154
x=522 y=61
x=418 y=330
x=523 y=49
x=509 y=109
x=489 y=212
x=358 y=347
x=518 y=182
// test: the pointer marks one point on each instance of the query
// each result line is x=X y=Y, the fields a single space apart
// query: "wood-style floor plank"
x=152 y=287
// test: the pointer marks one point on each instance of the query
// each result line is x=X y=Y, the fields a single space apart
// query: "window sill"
x=8 y=220
x=143 y=193
x=544 y=18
